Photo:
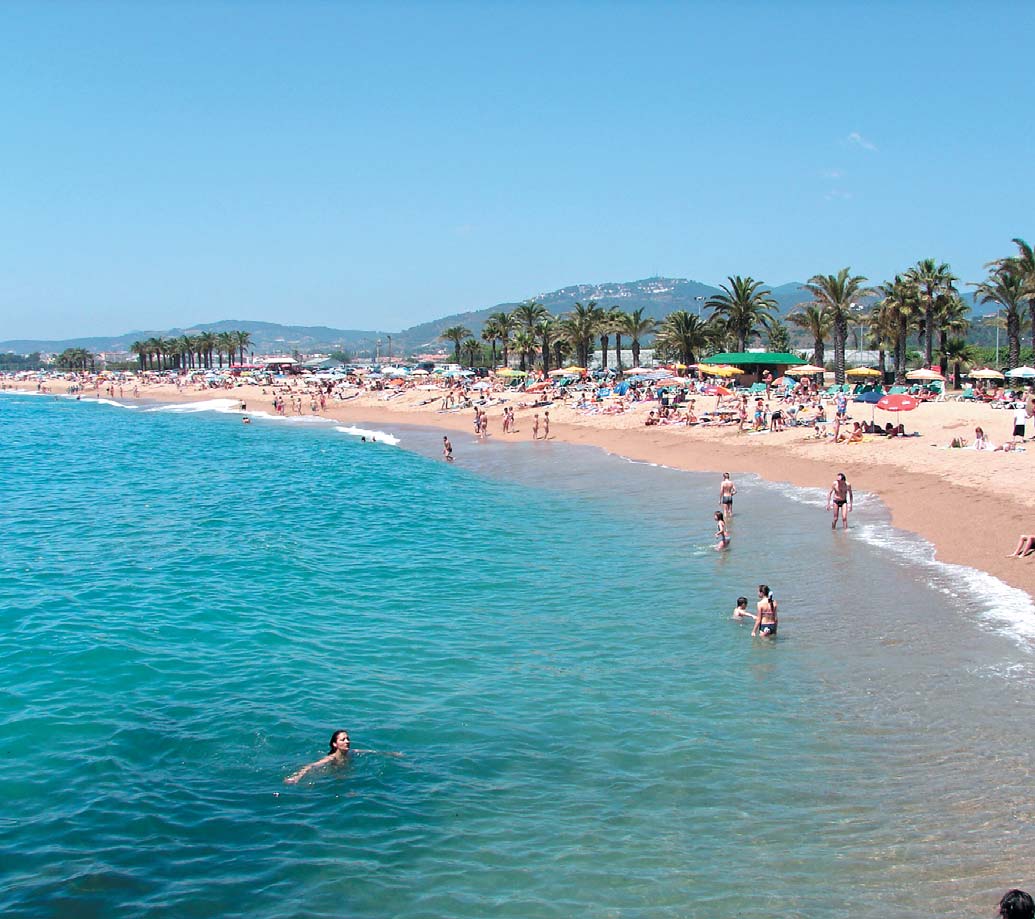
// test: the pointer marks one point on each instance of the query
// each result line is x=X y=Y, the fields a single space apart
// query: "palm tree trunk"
x=1013 y=335
x=900 y=350
x=546 y=353
x=1031 y=310
x=928 y=333
x=818 y=352
x=605 y=340
x=506 y=352
x=840 y=336
x=636 y=352
x=618 y=351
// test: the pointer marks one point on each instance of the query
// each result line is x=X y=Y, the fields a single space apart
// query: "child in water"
x=720 y=531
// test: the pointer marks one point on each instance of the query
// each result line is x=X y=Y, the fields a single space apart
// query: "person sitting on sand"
x=1025 y=546
x=856 y=436
x=652 y=419
x=980 y=441
x=338 y=754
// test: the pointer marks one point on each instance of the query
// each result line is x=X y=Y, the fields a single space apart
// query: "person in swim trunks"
x=766 y=620
x=840 y=495
x=726 y=492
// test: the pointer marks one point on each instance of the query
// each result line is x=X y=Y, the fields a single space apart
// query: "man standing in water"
x=726 y=492
x=841 y=496
x=447 y=449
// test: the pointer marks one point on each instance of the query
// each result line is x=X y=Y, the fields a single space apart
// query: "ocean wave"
x=376 y=436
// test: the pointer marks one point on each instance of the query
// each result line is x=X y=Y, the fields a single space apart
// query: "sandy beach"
x=971 y=505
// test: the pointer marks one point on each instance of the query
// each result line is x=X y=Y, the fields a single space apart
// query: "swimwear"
x=840 y=502
x=727 y=500
x=1018 y=430
x=767 y=628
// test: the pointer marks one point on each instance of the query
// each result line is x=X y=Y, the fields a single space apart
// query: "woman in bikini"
x=765 y=619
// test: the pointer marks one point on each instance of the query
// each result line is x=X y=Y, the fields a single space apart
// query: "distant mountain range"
x=657 y=296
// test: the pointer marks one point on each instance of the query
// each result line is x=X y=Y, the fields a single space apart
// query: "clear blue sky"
x=166 y=163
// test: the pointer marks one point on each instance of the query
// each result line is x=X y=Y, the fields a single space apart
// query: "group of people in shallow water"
x=765 y=615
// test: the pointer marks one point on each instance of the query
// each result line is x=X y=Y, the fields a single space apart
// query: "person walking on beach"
x=1020 y=419
x=535 y=426
x=447 y=449
x=765 y=618
x=840 y=495
x=546 y=425
x=726 y=492
x=721 y=533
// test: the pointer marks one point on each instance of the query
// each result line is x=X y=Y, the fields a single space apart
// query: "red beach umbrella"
x=897 y=403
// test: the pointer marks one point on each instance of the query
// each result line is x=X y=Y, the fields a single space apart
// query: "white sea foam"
x=377 y=436
x=98 y=401
x=207 y=405
x=1003 y=608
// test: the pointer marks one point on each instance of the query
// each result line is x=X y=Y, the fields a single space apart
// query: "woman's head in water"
x=340 y=742
x=763 y=590
x=718 y=515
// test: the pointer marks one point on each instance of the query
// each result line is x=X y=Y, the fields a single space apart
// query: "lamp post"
x=389 y=349
x=700 y=303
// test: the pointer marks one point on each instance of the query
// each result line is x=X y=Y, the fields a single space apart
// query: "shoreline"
x=971 y=506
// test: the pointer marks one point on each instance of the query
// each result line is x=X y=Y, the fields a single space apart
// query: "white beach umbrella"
x=1023 y=373
x=985 y=373
x=925 y=374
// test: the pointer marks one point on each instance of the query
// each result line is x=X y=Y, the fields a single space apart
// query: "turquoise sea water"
x=190 y=606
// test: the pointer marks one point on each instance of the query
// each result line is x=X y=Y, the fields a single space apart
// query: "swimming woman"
x=720 y=531
x=337 y=755
x=765 y=619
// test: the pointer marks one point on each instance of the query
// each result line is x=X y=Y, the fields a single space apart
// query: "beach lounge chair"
x=757 y=388
x=898 y=390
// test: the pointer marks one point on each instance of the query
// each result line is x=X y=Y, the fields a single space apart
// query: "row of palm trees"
x=923 y=300
x=190 y=352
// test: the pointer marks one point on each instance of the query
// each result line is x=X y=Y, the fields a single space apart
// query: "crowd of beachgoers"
x=949 y=456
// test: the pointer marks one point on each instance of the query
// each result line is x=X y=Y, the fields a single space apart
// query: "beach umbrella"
x=805 y=370
x=924 y=374
x=1021 y=372
x=574 y=371
x=419 y=372
x=863 y=372
x=510 y=372
x=985 y=373
x=722 y=371
x=635 y=370
x=559 y=373
x=897 y=403
x=871 y=398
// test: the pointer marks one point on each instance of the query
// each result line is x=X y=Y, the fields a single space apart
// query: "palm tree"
x=527 y=315
x=619 y=323
x=685 y=334
x=899 y=306
x=837 y=294
x=1008 y=290
x=139 y=348
x=472 y=350
x=456 y=334
x=492 y=334
x=637 y=328
x=546 y=329
x=1023 y=265
x=525 y=344
x=952 y=320
x=744 y=305
x=244 y=339
x=506 y=325
x=815 y=319
x=932 y=280
x=580 y=327
x=960 y=353
x=609 y=322
x=161 y=350
x=225 y=344
x=779 y=338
